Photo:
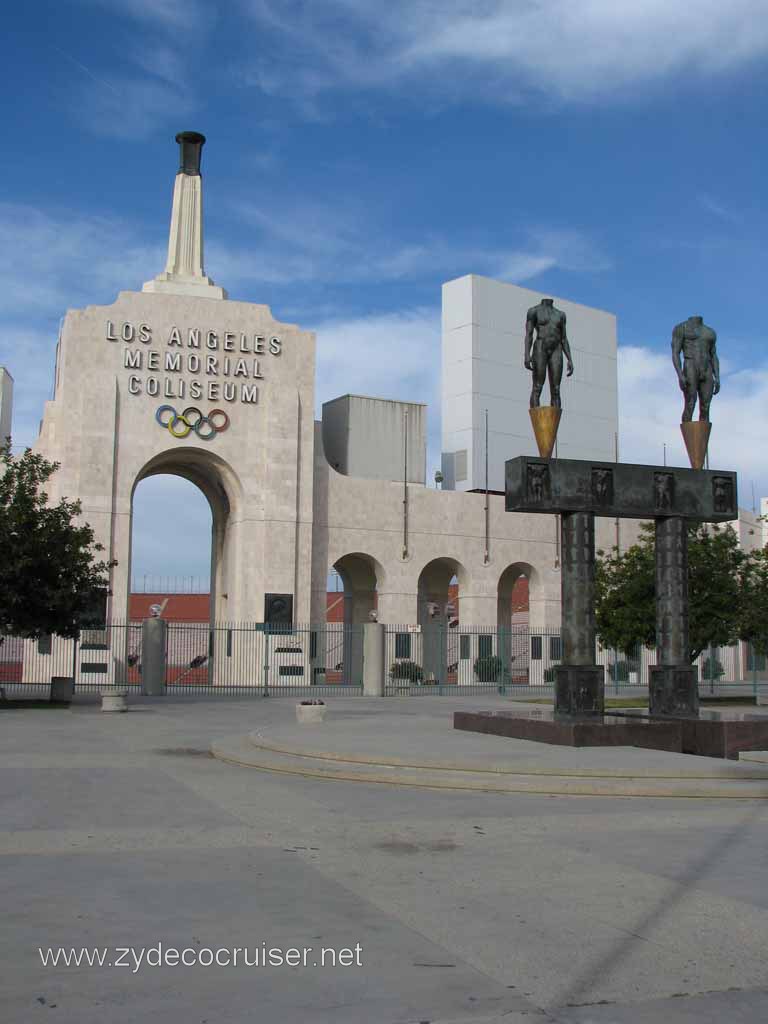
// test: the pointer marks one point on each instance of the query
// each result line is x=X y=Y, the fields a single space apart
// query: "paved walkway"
x=121 y=831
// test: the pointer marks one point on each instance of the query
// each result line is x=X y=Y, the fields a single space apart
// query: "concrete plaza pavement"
x=120 y=831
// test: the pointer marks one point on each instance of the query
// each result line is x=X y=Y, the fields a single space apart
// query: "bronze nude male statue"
x=699 y=375
x=544 y=355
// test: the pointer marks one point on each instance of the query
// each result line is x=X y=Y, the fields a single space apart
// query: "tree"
x=49 y=579
x=625 y=610
x=717 y=569
x=754 y=609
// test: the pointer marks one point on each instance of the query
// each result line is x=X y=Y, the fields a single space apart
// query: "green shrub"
x=549 y=674
x=711 y=668
x=488 y=668
x=619 y=670
x=406 y=670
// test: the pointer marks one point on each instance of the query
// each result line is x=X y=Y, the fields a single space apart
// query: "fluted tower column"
x=184 y=273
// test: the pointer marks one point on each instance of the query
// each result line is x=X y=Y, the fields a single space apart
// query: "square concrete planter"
x=310 y=714
x=113 y=698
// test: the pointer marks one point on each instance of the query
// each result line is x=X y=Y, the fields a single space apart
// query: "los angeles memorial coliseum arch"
x=178 y=378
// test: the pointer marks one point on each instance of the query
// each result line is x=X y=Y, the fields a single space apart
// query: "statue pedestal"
x=673 y=691
x=696 y=436
x=579 y=691
x=545 y=420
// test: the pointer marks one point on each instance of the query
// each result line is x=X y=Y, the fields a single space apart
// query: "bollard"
x=154 y=637
x=373 y=659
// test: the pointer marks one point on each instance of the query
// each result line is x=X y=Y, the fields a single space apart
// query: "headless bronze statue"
x=699 y=375
x=544 y=355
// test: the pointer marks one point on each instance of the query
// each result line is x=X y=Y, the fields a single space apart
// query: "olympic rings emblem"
x=206 y=427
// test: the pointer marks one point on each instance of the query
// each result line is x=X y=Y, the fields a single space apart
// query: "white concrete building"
x=6 y=404
x=376 y=438
x=751 y=529
x=482 y=369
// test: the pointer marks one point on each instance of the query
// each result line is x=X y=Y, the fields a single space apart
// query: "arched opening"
x=171 y=545
x=514 y=646
x=178 y=497
x=171 y=571
x=514 y=595
x=217 y=482
x=347 y=611
x=439 y=592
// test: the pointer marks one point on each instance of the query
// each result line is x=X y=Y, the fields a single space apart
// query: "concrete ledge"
x=736 y=783
x=755 y=756
x=703 y=770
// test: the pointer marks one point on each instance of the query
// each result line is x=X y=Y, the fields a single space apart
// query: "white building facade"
x=6 y=404
x=482 y=371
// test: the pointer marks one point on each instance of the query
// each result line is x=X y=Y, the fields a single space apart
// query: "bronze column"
x=579 y=681
x=673 y=683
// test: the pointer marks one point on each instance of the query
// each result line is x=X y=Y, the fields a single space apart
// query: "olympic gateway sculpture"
x=281 y=514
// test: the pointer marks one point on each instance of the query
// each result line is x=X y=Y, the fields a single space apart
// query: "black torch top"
x=190 y=149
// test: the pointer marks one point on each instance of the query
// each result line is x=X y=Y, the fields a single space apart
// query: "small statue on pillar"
x=543 y=356
x=699 y=378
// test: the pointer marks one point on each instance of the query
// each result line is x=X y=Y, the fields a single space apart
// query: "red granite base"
x=543 y=727
x=711 y=734
x=719 y=733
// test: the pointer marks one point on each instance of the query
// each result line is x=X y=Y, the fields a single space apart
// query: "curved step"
x=715 y=768
x=242 y=751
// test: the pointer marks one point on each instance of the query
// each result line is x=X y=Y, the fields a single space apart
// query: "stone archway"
x=361 y=575
x=513 y=633
x=511 y=596
x=440 y=647
x=221 y=488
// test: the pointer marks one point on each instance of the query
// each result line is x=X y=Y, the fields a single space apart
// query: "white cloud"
x=573 y=50
x=714 y=206
x=49 y=261
x=386 y=355
x=28 y=354
x=650 y=407
x=161 y=61
x=126 y=102
x=310 y=242
x=133 y=108
x=173 y=15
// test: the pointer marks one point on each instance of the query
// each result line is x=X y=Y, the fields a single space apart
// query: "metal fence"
x=105 y=656
x=225 y=658
x=249 y=658
x=326 y=660
x=463 y=661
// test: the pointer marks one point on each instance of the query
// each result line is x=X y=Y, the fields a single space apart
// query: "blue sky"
x=359 y=154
